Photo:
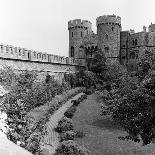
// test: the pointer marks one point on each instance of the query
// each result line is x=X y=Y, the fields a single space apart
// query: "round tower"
x=78 y=29
x=108 y=31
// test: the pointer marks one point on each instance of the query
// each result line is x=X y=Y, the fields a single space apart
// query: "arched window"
x=106 y=49
x=72 y=51
x=112 y=28
x=106 y=36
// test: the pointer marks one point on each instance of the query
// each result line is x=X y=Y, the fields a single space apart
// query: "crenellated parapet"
x=78 y=23
x=23 y=54
x=109 y=20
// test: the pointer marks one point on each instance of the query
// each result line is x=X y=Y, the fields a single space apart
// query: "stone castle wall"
x=21 y=59
x=78 y=29
x=108 y=31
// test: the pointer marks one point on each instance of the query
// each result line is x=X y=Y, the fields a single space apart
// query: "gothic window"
x=72 y=34
x=72 y=51
x=106 y=36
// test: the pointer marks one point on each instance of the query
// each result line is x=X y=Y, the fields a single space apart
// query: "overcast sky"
x=42 y=24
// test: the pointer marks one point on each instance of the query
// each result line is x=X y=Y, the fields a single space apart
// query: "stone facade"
x=21 y=59
x=125 y=46
x=78 y=29
x=108 y=31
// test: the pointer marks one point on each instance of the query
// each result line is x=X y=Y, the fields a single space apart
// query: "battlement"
x=23 y=54
x=108 y=19
x=78 y=23
x=152 y=28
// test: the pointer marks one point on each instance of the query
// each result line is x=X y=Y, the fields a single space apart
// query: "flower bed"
x=67 y=133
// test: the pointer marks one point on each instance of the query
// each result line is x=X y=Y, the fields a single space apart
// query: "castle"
x=124 y=46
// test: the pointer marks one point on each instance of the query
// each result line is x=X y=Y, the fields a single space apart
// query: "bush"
x=75 y=102
x=79 y=134
x=64 y=124
x=88 y=91
x=70 y=112
x=71 y=148
x=68 y=135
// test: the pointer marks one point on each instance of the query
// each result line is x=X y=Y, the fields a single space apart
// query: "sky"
x=42 y=25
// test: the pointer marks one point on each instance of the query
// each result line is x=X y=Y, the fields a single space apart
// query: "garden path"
x=102 y=133
x=52 y=138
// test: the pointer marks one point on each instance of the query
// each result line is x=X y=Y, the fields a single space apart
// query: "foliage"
x=81 y=79
x=70 y=112
x=71 y=148
x=133 y=107
x=68 y=135
x=26 y=93
x=64 y=124
x=98 y=63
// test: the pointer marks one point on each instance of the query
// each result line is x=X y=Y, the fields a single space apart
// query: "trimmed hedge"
x=71 y=148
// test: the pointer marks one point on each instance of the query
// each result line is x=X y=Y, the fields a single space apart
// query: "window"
x=135 y=41
x=34 y=53
x=112 y=28
x=72 y=34
x=81 y=35
x=106 y=49
x=132 y=55
x=19 y=52
x=72 y=51
x=106 y=36
x=23 y=53
x=11 y=50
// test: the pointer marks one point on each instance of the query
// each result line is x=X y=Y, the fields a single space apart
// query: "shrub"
x=88 y=91
x=64 y=124
x=68 y=135
x=79 y=134
x=70 y=112
x=71 y=148
x=75 y=102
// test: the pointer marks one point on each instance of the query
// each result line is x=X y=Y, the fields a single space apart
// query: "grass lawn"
x=102 y=133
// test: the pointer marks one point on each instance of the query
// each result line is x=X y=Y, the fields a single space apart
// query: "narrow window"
x=19 y=52
x=106 y=36
x=81 y=35
x=72 y=51
x=135 y=42
x=72 y=34
x=112 y=28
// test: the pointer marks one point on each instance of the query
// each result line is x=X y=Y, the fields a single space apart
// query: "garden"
x=108 y=89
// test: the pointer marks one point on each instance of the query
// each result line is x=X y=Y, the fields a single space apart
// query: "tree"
x=98 y=63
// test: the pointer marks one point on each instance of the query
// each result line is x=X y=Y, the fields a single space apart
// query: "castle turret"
x=108 y=31
x=152 y=28
x=78 y=29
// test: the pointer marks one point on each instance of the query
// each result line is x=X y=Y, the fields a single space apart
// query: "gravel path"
x=52 y=138
x=102 y=133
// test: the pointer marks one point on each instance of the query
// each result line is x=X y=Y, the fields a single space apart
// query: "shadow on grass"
x=106 y=123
